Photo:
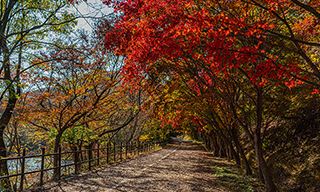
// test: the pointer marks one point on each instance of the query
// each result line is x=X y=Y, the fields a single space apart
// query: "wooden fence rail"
x=94 y=157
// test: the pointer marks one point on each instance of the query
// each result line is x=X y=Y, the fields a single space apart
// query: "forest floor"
x=180 y=166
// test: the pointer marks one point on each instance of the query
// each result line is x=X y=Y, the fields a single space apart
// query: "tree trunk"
x=220 y=148
x=261 y=179
x=56 y=157
x=243 y=156
x=214 y=144
x=228 y=153
x=263 y=165
x=258 y=145
x=5 y=183
x=229 y=148
x=235 y=155
x=13 y=97
x=76 y=158
x=4 y=121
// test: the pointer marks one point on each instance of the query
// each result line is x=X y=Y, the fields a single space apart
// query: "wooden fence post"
x=89 y=156
x=42 y=165
x=137 y=147
x=120 y=151
x=114 y=152
x=108 y=145
x=98 y=154
x=22 y=169
x=76 y=160
x=134 y=148
x=130 y=148
x=144 y=146
x=148 y=146
x=141 y=147
x=126 y=150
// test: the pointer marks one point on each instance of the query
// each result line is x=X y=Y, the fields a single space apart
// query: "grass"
x=232 y=178
x=229 y=176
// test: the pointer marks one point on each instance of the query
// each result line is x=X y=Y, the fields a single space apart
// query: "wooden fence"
x=92 y=157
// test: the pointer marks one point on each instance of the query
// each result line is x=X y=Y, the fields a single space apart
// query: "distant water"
x=33 y=164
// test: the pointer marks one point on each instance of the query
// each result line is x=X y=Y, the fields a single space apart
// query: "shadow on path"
x=180 y=166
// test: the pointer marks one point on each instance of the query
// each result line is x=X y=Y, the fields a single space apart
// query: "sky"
x=91 y=8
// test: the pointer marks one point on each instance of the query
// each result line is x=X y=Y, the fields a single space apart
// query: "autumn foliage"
x=217 y=65
x=242 y=76
x=184 y=31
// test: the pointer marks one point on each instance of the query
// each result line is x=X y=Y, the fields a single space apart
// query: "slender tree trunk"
x=56 y=157
x=76 y=158
x=235 y=155
x=204 y=140
x=240 y=149
x=216 y=148
x=208 y=143
x=4 y=121
x=223 y=150
x=264 y=169
x=5 y=183
x=220 y=147
x=261 y=178
x=214 y=144
x=227 y=147
x=258 y=145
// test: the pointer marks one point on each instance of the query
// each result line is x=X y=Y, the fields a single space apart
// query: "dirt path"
x=179 y=167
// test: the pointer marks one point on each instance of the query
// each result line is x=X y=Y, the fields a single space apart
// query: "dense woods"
x=242 y=76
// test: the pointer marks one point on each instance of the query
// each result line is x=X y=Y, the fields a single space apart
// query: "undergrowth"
x=232 y=178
